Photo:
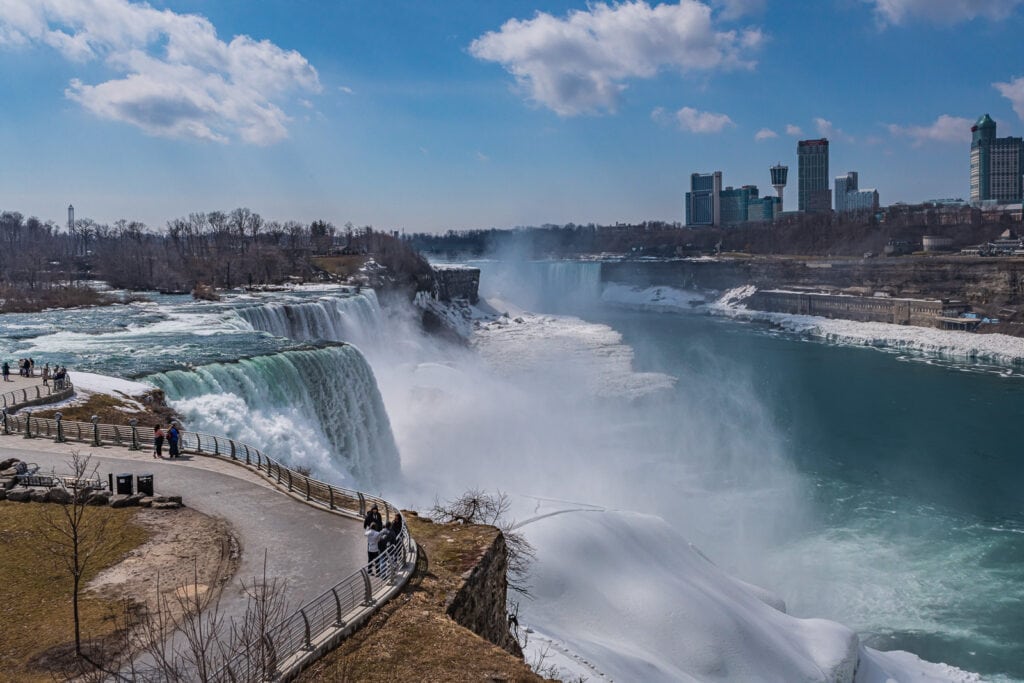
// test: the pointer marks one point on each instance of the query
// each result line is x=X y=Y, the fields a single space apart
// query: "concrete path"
x=309 y=548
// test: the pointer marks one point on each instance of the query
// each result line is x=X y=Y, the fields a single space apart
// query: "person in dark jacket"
x=158 y=442
x=173 y=437
x=7 y=371
x=373 y=517
x=396 y=526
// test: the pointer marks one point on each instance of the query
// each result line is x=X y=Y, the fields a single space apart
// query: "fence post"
x=135 y=435
x=362 y=504
x=28 y=424
x=289 y=480
x=95 y=430
x=7 y=427
x=330 y=491
x=307 y=489
x=338 y=621
x=78 y=425
x=232 y=442
x=24 y=395
x=37 y=391
x=305 y=621
x=60 y=428
x=248 y=459
x=367 y=588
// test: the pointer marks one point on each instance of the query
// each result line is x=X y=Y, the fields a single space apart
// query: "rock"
x=58 y=495
x=8 y=482
x=38 y=495
x=3 y=494
x=124 y=501
x=8 y=472
x=19 y=495
x=9 y=462
x=146 y=501
x=98 y=498
x=167 y=499
x=167 y=505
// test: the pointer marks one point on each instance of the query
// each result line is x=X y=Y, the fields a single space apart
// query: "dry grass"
x=343 y=266
x=35 y=591
x=411 y=638
x=113 y=410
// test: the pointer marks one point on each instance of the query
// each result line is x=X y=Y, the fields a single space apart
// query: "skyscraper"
x=996 y=168
x=849 y=196
x=704 y=200
x=812 y=161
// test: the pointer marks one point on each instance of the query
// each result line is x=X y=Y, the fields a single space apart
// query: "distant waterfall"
x=542 y=286
x=318 y=408
x=353 y=318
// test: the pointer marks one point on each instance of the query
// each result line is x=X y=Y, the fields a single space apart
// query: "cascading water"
x=315 y=408
x=353 y=318
x=543 y=286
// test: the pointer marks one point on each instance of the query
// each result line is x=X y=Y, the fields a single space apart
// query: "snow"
x=904 y=667
x=656 y=299
x=91 y=383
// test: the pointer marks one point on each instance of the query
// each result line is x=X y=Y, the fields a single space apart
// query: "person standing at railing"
x=372 y=547
x=173 y=438
x=396 y=526
x=373 y=517
x=158 y=442
x=7 y=371
x=46 y=375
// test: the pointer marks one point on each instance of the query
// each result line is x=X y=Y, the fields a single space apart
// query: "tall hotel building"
x=996 y=169
x=814 y=194
x=704 y=200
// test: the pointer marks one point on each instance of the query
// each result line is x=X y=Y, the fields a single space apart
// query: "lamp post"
x=60 y=428
x=95 y=430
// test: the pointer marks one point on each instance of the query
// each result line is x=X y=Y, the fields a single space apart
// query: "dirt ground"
x=187 y=552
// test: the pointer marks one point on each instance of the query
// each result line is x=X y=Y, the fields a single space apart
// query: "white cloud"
x=945 y=129
x=795 y=131
x=893 y=12
x=177 y=78
x=827 y=130
x=734 y=9
x=347 y=90
x=579 y=64
x=481 y=157
x=765 y=134
x=1013 y=91
x=692 y=120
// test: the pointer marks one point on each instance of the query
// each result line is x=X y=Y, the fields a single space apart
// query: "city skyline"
x=463 y=115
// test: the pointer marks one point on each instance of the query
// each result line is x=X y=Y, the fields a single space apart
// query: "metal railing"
x=11 y=399
x=286 y=648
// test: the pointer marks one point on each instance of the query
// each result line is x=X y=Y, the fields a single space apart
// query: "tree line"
x=42 y=263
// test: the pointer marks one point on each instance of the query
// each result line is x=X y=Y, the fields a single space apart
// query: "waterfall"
x=319 y=409
x=543 y=286
x=353 y=318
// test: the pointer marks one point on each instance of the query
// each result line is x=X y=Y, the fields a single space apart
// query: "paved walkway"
x=309 y=548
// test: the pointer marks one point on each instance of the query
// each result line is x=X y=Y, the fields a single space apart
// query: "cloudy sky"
x=436 y=115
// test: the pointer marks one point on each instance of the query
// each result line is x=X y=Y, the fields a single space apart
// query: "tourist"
x=7 y=371
x=23 y=367
x=46 y=375
x=31 y=368
x=373 y=517
x=396 y=526
x=158 y=442
x=173 y=436
x=372 y=549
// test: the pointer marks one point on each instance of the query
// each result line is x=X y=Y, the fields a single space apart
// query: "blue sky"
x=430 y=116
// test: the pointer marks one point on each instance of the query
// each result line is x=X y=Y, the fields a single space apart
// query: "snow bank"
x=948 y=344
x=904 y=667
x=91 y=383
x=656 y=299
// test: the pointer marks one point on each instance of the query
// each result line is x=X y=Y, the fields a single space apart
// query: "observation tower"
x=779 y=175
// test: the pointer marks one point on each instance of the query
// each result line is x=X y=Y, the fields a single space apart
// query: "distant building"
x=996 y=168
x=71 y=218
x=814 y=194
x=779 y=174
x=849 y=197
x=703 y=201
x=735 y=202
x=765 y=209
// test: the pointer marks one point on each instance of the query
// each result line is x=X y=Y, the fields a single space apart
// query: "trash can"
x=124 y=484
x=144 y=484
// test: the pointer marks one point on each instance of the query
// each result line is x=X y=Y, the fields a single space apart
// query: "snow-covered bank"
x=951 y=345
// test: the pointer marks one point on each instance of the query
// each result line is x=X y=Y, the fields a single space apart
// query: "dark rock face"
x=479 y=605
x=457 y=282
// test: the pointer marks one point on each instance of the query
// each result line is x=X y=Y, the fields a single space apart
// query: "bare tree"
x=73 y=532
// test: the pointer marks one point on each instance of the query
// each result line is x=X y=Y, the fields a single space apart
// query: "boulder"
x=9 y=462
x=58 y=495
x=8 y=471
x=8 y=482
x=3 y=494
x=19 y=495
x=124 y=501
x=146 y=501
x=166 y=505
x=98 y=498
x=39 y=495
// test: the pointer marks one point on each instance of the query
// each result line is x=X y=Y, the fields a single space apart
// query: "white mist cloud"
x=765 y=134
x=795 y=131
x=894 y=12
x=945 y=129
x=1013 y=91
x=826 y=129
x=178 y=78
x=734 y=9
x=578 y=64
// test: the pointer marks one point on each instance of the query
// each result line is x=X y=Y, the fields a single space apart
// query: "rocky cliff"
x=479 y=603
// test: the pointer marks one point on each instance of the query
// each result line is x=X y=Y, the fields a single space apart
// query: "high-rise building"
x=71 y=218
x=996 y=168
x=735 y=203
x=849 y=196
x=814 y=194
x=703 y=201
x=779 y=174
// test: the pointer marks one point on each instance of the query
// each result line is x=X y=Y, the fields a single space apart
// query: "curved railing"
x=35 y=394
x=319 y=625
